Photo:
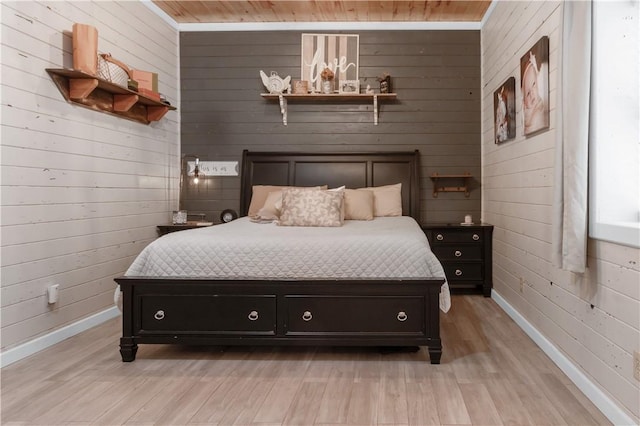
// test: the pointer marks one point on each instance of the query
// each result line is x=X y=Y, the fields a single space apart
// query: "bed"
x=213 y=286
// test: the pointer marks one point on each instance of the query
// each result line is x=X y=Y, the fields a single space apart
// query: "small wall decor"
x=338 y=52
x=534 y=83
x=276 y=84
x=385 y=83
x=349 y=87
x=504 y=111
x=327 y=76
x=300 y=87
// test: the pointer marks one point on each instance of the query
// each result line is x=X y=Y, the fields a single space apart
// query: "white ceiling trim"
x=488 y=12
x=161 y=13
x=328 y=26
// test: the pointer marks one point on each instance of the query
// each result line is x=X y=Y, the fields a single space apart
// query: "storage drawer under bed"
x=218 y=314
x=354 y=315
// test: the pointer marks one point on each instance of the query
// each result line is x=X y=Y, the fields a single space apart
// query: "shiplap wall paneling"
x=593 y=319
x=436 y=75
x=82 y=191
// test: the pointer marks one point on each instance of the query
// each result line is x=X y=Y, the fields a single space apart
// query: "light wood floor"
x=491 y=374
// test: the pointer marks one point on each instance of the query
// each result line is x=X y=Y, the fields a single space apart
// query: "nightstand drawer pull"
x=458 y=273
x=476 y=237
x=439 y=237
x=458 y=253
x=402 y=316
x=307 y=316
x=253 y=315
x=159 y=315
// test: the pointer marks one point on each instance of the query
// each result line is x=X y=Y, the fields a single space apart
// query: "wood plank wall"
x=82 y=191
x=593 y=319
x=436 y=75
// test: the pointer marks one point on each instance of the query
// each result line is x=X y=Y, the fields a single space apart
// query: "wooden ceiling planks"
x=225 y=11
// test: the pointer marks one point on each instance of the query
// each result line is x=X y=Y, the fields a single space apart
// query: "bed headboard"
x=354 y=170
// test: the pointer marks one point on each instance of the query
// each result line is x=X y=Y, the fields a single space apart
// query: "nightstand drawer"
x=456 y=236
x=458 y=252
x=463 y=271
x=465 y=254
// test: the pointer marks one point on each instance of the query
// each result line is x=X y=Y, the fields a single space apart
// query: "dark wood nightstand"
x=465 y=252
x=165 y=229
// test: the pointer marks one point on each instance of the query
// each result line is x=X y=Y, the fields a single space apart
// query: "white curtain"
x=570 y=224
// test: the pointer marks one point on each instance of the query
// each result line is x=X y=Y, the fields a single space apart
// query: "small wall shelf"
x=439 y=186
x=322 y=97
x=97 y=94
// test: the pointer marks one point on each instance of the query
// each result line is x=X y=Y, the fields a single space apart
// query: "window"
x=614 y=147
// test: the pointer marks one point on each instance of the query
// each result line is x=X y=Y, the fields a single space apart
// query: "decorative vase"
x=327 y=86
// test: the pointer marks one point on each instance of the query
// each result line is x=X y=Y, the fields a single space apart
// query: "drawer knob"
x=458 y=253
x=307 y=316
x=402 y=316
x=439 y=237
x=253 y=315
x=159 y=315
x=476 y=237
x=458 y=272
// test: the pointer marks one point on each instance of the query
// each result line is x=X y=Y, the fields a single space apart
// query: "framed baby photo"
x=534 y=84
x=504 y=111
x=349 y=87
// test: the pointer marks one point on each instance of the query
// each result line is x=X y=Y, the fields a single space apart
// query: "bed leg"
x=435 y=352
x=128 y=349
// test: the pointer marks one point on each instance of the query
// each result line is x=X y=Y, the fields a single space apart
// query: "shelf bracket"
x=283 y=108
x=375 y=110
x=122 y=103
x=155 y=113
x=80 y=88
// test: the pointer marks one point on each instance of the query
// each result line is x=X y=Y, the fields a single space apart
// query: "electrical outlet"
x=521 y=285
x=636 y=365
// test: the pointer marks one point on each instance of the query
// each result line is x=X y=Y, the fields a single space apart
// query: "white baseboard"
x=609 y=408
x=26 y=349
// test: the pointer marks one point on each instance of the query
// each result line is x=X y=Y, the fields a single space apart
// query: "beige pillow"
x=271 y=208
x=311 y=208
x=259 y=194
x=358 y=204
x=387 y=200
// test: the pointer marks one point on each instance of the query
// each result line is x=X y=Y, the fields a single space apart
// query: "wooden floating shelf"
x=97 y=94
x=435 y=177
x=330 y=96
x=341 y=97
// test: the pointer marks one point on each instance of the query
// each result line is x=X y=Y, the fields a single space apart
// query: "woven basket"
x=113 y=70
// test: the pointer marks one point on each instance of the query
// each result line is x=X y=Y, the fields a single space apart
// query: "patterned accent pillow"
x=311 y=208
x=259 y=194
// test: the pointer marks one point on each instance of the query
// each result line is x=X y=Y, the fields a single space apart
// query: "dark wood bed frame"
x=355 y=312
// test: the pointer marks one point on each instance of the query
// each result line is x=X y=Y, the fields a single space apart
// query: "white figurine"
x=275 y=84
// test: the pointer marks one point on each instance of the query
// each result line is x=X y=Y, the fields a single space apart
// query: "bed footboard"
x=381 y=312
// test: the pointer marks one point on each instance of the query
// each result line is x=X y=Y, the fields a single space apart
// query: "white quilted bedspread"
x=386 y=247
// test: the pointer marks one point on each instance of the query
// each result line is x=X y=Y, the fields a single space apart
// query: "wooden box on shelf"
x=95 y=93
